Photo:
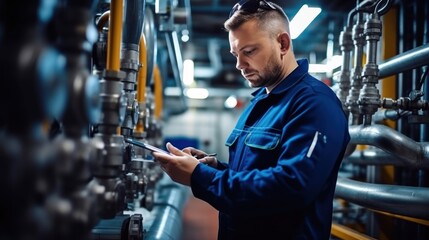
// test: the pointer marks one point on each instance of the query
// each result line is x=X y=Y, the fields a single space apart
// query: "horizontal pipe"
x=373 y=157
x=344 y=232
x=414 y=154
x=408 y=60
x=410 y=219
x=402 y=200
x=167 y=225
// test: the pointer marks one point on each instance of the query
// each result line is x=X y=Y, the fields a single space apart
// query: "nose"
x=241 y=64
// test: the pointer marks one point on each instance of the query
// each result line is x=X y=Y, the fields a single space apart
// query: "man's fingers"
x=187 y=151
x=174 y=150
x=161 y=157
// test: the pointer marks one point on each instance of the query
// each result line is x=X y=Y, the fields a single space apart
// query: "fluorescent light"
x=188 y=72
x=302 y=19
x=197 y=93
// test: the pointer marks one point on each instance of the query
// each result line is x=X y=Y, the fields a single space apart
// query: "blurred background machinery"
x=81 y=76
x=85 y=78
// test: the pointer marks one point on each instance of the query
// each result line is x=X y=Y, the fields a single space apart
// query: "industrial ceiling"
x=208 y=45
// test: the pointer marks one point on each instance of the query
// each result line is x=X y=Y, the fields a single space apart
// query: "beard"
x=269 y=75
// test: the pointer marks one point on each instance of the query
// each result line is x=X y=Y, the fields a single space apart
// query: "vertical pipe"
x=158 y=93
x=115 y=35
x=389 y=50
x=141 y=85
x=133 y=21
x=356 y=83
x=422 y=26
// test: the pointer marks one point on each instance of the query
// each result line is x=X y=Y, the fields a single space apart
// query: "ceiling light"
x=188 y=72
x=302 y=19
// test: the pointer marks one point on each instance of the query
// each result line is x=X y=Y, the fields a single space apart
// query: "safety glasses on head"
x=252 y=6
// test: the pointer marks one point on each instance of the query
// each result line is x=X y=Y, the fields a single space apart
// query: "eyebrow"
x=246 y=46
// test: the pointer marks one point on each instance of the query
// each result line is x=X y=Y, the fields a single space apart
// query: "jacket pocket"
x=262 y=140
x=232 y=138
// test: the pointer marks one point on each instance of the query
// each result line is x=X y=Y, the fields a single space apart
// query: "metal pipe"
x=168 y=210
x=176 y=64
x=102 y=20
x=411 y=59
x=369 y=97
x=402 y=200
x=133 y=21
x=132 y=31
x=356 y=77
x=150 y=33
x=346 y=44
x=374 y=157
x=411 y=152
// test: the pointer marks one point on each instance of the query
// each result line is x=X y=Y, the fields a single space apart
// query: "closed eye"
x=249 y=52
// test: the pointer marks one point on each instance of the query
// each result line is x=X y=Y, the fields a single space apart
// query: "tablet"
x=146 y=146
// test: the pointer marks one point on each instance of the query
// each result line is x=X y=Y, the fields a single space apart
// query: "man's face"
x=258 y=55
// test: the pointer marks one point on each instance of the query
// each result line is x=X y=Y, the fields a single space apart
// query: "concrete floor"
x=200 y=220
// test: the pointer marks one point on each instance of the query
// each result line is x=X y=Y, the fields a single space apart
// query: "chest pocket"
x=262 y=140
x=232 y=138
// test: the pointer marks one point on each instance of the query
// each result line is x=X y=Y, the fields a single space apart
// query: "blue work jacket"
x=284 y=155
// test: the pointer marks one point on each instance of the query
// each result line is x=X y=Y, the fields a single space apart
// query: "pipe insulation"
x=133 y=21
x=402 y=200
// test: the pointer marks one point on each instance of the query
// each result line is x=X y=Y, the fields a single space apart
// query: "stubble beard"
x=268 y=76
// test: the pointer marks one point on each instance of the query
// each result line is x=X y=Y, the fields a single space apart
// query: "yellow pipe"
x=115 y=36
x=410 y=219
x=388 y=50
x=388 y=90
x=102 y=20
x=346 y=233
x=142 y=74
x=158 y=92
x=142 y=79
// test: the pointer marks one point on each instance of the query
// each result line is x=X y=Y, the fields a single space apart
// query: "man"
x=286 y=148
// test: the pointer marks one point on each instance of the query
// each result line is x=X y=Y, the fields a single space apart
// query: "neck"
x=289 y=64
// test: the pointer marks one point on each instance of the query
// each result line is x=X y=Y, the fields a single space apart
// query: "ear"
x=284 y=40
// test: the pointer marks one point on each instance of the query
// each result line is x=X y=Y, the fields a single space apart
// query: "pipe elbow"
x=390 y=141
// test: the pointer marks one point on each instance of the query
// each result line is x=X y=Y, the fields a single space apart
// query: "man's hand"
x=179 y=165
x=208 y=159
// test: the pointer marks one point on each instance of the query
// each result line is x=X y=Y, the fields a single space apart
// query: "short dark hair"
x=264 y=15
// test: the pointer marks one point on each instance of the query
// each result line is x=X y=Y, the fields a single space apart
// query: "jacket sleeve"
x=222 y=165
x=313 y=141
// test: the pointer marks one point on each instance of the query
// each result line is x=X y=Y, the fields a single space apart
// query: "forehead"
x=248 y=33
